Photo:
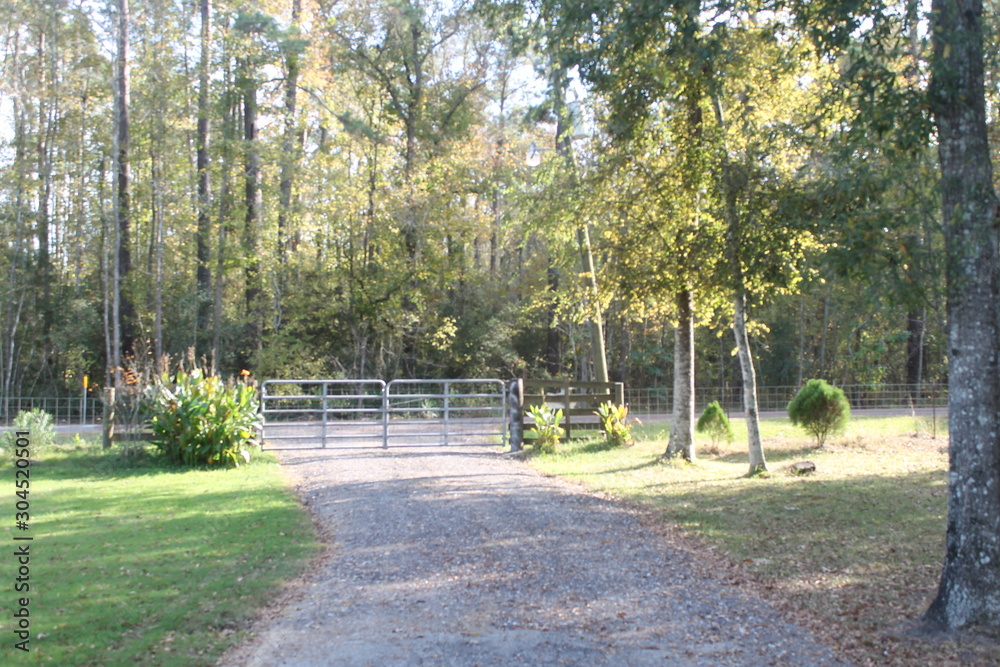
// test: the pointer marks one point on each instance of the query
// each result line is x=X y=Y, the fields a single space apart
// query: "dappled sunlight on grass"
x=858 y=544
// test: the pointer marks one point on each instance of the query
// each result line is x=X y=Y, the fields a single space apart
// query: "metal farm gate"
x=316 y=414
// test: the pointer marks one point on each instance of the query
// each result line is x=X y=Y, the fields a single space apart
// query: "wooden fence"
x=577 y=400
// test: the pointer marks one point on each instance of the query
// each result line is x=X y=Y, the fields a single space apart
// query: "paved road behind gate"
x=458 y=556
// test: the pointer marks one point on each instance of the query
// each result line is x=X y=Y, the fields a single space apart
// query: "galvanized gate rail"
x=309 y=414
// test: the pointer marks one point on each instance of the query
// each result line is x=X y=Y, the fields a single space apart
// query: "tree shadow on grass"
x=773 y=455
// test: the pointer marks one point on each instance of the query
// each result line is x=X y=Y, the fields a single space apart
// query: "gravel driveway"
x=460 y=556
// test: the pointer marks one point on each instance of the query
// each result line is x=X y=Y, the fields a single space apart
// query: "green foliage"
x=547 y=432
x=614 y=423
x=715 y=424
x=202 y=420
x=820 y=409
x=37 y=422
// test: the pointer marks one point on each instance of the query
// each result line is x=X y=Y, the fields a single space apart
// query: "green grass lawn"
x=147 y=564
x=855 y=548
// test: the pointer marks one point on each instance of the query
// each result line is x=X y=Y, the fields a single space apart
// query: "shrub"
x=202 y=420
x=715 y=424
x=614 y=423
x=38 y=422
x=547 y=432
x=820 y=409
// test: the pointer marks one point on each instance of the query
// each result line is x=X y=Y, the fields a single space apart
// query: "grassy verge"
x=146 y=564
x=854 y=550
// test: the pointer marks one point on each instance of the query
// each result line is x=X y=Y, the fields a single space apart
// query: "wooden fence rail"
x=577 y=400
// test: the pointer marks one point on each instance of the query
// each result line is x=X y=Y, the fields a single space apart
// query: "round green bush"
x=714 y=423
x=37 y=422
x=821 y=409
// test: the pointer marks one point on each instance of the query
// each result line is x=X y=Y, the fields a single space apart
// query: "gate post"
x=385 y=416
x=515 y=411
x=326 y=391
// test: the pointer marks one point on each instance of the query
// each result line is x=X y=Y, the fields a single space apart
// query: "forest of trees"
x=309 y=188
x=416 y=188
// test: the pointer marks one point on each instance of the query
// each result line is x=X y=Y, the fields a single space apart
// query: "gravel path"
x=463 y=557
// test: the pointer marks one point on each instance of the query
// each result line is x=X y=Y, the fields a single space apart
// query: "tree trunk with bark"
x=735 y=252
x=253 y=289
x=289 y=146
x=203 y=274
x=682 y=428
x=969 y=592
x=124 y=311
x=754 y=444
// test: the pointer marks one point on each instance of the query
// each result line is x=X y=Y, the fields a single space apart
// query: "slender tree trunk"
x=802 y=339
x=45 y=139
x=253 y=290
x=596 y=321
x=822 y=336
x=969 y=592
x=914 y=342
x=733 y=241
x=124 y=311
x=755 y=446
x=553 y=356
x=289 y=144
x=157 y=252
x=682 y=428
x=203 y=274
x=564 y=148
x=106 y=279
x=15 y=289
x=229 y=133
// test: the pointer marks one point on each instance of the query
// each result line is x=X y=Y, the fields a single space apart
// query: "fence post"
x=569 y=431
x=619 y=393
x=326 y=391
x=110 y=415
x=447 y=405
x=385 y=415
x=515 y=411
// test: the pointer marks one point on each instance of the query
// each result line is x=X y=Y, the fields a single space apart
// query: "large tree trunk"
x=203 y=274
x=682 y=428
x=969 y=592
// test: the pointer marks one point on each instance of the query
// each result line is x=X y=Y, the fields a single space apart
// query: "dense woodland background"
x=343 y=189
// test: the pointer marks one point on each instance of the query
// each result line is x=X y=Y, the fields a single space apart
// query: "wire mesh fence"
x=659 y=400
x=64 y=409
x=641 y=400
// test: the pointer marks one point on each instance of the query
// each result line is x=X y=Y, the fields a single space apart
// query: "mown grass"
x=144 y=563
x=854 y=549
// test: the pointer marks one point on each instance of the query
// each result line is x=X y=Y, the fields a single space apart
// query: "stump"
x=803 y=468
